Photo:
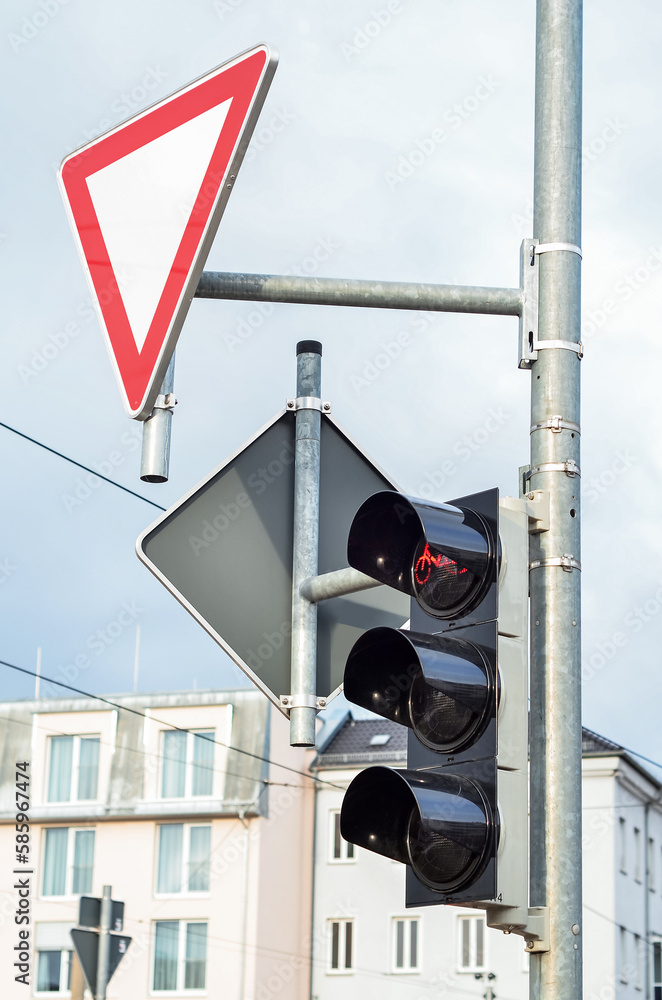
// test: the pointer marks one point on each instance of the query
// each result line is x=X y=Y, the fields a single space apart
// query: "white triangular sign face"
x=145 y=201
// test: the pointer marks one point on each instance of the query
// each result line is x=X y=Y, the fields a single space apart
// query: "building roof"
x=353 y=742
x=363 y=741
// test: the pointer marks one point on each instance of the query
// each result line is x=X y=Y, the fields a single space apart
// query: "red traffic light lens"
x=442 y=586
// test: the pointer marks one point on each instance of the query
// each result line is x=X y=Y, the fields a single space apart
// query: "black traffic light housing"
x=441 y=816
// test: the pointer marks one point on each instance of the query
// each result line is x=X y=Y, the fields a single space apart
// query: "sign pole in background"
x=98 y=948
x=305 y=547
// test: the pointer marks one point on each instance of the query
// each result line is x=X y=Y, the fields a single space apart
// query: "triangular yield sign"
x=145 y=201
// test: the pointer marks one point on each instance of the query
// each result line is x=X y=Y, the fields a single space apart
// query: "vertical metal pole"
x=155 y=458
x=104 y=943
x=306 y=535
x=556 y=877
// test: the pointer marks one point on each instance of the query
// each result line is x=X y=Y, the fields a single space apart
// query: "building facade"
x=178 y=802
x=224 y=844
x=366 y=941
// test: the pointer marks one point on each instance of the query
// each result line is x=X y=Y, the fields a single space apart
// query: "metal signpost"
x=225 y=552
x=101 y=949
x=234 y=553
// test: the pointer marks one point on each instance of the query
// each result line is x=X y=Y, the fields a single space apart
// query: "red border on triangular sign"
x=246 y=80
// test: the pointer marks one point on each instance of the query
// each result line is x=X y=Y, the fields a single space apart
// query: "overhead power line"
x=170 y=725
x=80 y=465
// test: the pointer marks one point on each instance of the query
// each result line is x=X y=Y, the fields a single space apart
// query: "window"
x=188 y=763
x=180 y=955
x=650 y=865
x=657 y=970
x=638 y=956
x=341 y=945
x=623 y=953
x=471 y=940
x=405 y=944
x=54 y=971
x=53 y=958
x=341 y=850
x=637 y=854
x=183 y=858
x=73 y=770
x=622 y=844
x=68 y=861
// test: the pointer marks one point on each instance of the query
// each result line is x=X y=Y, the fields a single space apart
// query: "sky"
x=332 y=185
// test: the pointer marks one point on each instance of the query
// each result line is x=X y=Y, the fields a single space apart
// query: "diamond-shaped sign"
x=225 y=552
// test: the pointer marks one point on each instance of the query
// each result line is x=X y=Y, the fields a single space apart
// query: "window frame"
x=342 y=969
x=347 y=850
x=75 y=768
x=69 y=863
x=472 y=921
x=188 y=764
x=65 y=972
x=184 y=893
x=183 y=924
x=407 y=968
x=656 y=960
x=622 y=845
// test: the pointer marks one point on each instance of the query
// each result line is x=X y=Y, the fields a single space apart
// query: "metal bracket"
x=556 y=424
x=537 y=507
x=302 y=701
x=531 y=923
x=308 y=403
x=529 y=345
x=528 y=320
x=547 y=247
x=570 y=468
x=165 y=402
x=567 y=563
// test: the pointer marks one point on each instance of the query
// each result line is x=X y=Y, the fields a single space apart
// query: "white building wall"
x=258 y=905
x=370 y=890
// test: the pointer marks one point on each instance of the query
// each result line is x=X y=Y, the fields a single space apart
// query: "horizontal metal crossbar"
x=367 y=294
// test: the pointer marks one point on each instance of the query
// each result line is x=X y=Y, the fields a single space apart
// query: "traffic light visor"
x=440 y=686
x=440 y=554
x=439 y=824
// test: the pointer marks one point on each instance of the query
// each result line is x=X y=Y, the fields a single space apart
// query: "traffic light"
x=457 y=815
